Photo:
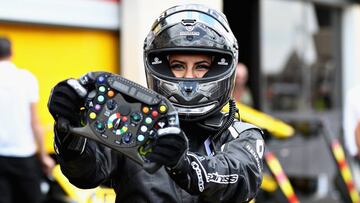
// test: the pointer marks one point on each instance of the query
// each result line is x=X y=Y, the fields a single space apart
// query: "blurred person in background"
x=21 y=136
x=242 y=93
x=351 y=127
x=190 y=57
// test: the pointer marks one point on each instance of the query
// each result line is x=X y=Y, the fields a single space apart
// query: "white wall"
x=351 y=47
x=79 y=13
x=137 y=18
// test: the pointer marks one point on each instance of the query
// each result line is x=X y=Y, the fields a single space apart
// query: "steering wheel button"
x=162 y=108
x=111 y=104
x=143 y=128
x=100 y=125
x=161 y=124
x=148 y=120
x=100 y=99
x=97 y=107
x=154 y=113
x=92 y=115
x=124 y=128
x=118 y=132
x=110 y=93
x=102 y=89
x=140 y=138
x=92 y=94
x=127 y=137
x=124 y=119
x=145 y=109
x=152 y=134
x=101 y=79
x=135 y=117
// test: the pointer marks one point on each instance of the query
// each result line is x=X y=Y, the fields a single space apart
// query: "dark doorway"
x=243 y=17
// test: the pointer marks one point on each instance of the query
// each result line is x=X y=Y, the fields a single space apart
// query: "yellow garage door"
x=56 y=53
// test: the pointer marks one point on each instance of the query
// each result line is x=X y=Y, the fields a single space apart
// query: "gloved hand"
x=64 y=105
x=65 y=102
x=170 y=147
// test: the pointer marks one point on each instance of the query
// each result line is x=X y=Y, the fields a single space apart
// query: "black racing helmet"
x=192 y=29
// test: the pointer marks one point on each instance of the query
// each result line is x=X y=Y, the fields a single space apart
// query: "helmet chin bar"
x=194 y=111
x=180 y=97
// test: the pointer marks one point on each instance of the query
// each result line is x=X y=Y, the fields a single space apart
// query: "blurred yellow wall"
x=53 y=54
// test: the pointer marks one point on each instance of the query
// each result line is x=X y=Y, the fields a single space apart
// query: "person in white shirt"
x=21 y=137
x=352 y=129
x=352 y=120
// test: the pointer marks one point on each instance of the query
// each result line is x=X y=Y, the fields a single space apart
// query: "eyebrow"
x=204 y=61
x=175 y=60
x=183 y=62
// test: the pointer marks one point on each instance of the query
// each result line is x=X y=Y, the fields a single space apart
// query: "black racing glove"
x=64 y=104
x=171 y=147
x=67 y=97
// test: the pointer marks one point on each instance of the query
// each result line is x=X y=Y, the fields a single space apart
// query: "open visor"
x=221 y=66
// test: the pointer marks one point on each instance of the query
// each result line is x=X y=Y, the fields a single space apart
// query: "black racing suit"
x=232 y=174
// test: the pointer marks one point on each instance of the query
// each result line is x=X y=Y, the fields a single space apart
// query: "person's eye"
x=202 y=67
x=177 y=66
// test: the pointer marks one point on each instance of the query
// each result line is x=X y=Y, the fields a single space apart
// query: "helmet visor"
x=220 y=65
